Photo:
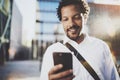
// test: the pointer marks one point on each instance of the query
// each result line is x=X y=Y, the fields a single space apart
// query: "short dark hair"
x=84 y=8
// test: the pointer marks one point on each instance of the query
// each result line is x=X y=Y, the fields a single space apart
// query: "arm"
x=48 y=69
x=47 y=64
x=110 y=69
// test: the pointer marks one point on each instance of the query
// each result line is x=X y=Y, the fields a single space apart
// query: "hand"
x=60 y=76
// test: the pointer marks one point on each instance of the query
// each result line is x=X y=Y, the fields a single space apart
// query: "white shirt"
x=95 y=51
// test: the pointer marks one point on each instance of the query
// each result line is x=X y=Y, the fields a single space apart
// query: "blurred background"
x=28 y=27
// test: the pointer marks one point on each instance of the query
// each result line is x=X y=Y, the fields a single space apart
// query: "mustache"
x=74 y=27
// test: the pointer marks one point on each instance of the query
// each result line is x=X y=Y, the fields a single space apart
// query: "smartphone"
x=64 y=58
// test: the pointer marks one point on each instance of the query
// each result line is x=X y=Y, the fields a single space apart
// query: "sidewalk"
x=20 y=70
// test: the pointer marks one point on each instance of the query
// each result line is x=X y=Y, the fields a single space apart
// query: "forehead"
x=70 y=9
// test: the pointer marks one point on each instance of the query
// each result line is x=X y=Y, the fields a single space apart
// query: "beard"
x=73 y=32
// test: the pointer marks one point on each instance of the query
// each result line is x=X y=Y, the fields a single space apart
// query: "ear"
x=84 y=18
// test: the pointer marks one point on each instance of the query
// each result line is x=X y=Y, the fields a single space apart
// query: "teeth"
x=73 y=30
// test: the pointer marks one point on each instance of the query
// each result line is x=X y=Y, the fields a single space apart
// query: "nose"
x=71 y=22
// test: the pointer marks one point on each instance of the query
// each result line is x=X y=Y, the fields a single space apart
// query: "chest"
x=94 y=56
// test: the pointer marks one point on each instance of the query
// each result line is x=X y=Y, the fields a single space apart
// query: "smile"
x=73 y=29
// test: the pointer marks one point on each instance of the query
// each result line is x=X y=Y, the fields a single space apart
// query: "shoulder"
x=52 y=48
x=56 y=47
x=93 y=40
x=100 y=44
x=97 y=41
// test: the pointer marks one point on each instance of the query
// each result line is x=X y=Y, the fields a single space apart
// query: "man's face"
x=71 y=20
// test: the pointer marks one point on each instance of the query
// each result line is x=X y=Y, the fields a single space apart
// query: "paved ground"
x=20 y=70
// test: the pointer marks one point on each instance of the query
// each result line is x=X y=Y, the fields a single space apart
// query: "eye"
x=64 y=19
x=77 y=16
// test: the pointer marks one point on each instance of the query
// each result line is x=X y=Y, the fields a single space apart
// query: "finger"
x=69 y=78
x=55 y=68
x=61 y=75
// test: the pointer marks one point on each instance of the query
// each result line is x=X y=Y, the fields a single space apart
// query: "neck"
x=79 y=39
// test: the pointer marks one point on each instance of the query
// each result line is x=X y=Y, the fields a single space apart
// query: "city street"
x=20 y=70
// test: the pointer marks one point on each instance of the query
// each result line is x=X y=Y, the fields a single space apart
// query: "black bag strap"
x=83 y=61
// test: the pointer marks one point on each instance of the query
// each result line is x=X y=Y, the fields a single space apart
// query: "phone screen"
x=64 y=58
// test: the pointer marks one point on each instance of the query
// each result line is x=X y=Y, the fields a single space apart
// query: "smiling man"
x=73 y=15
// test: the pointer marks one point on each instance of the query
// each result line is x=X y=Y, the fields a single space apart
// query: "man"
x=73 y=15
